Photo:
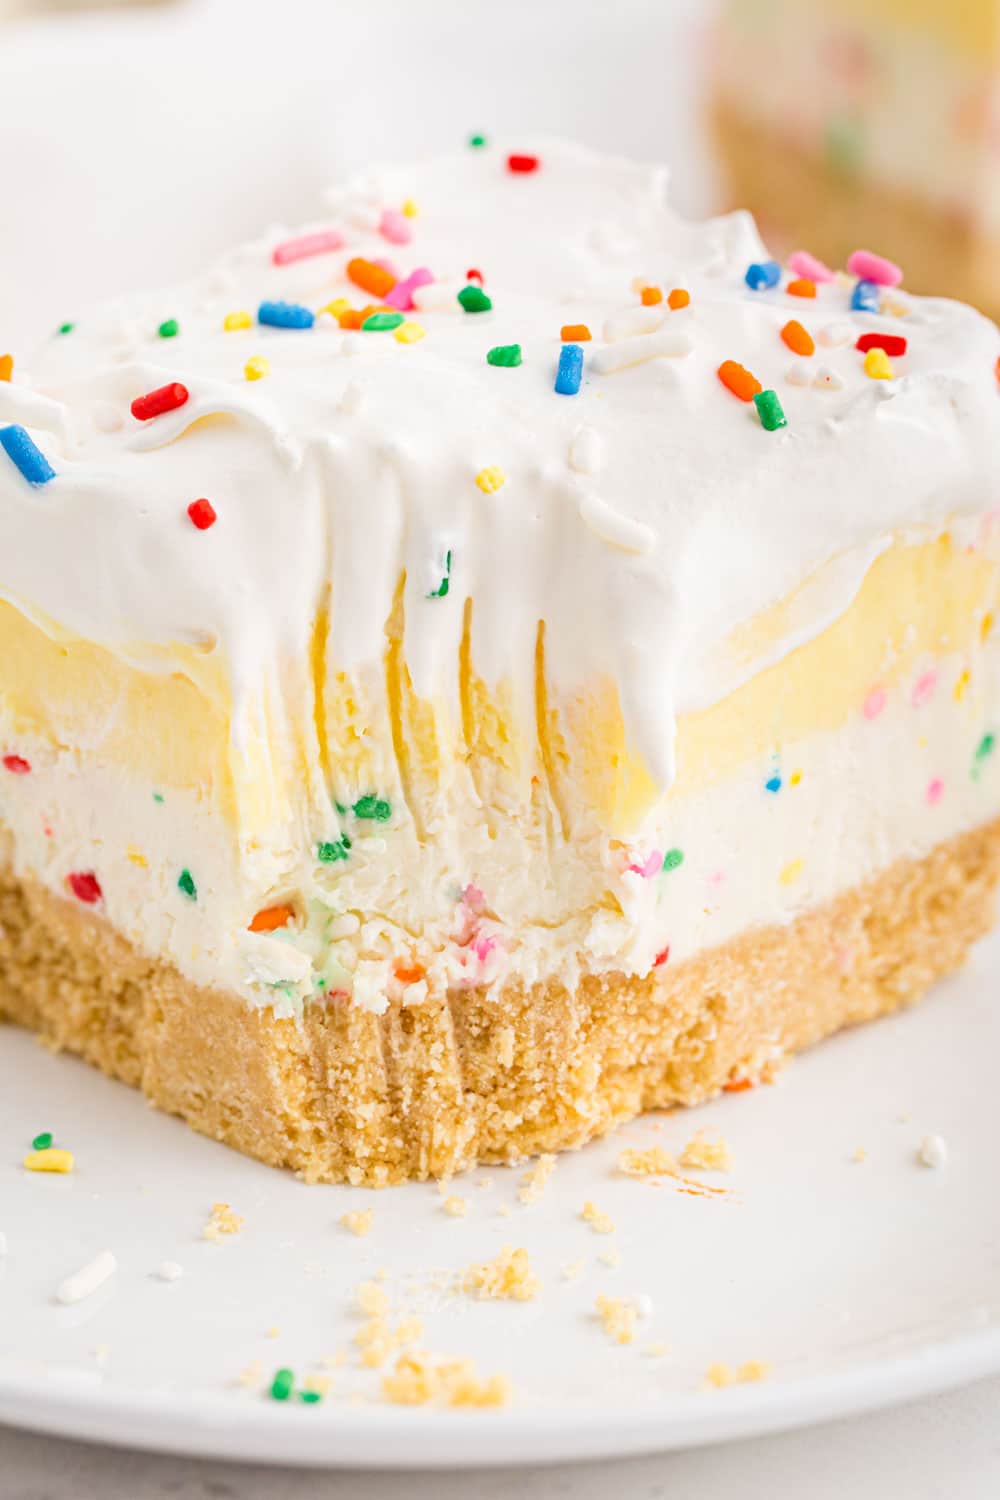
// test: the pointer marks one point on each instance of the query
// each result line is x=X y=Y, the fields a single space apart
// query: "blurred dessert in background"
x=868 y=121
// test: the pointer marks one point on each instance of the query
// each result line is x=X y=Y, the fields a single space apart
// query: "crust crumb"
x=508 y=1277
x=707 y=1155
x=455 y=1206
x=656 y=1162
x=358 y=1220
x=533 y=1182
x=600 y=1222
x=618 y=1317
x=720 y=1375
x=417 y=1379
x=221 y=1222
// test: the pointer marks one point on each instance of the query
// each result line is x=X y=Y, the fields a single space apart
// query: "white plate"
x=862 y=1283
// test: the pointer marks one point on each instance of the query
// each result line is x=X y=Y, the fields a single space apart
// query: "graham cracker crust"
x=343 y=1095
x=802 y=199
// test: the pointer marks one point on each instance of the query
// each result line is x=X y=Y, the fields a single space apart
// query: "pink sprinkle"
x=395 y=227
x=806 y=265
x=874 y=703
x=717 y=878
x=869 y=267
x=85 y=886
x=306 y=245
x=935 y=791
x=653 y=866
x=473 y=898
x=923 y=689
x=661 y=957
x=401 y=295
x=17 y=764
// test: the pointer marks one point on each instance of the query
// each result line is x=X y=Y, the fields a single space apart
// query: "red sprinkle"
x=155 y=403
x=661 y=957
x=202 y=513
x=17 y=764
x=473 y=275
x=85 y=886
x=737 y=1086
x=892 y=343
x=517 y=163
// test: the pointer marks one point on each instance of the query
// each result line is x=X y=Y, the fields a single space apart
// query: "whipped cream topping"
x=642 y=519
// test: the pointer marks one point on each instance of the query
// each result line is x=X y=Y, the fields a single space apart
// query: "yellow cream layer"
x=172 y=727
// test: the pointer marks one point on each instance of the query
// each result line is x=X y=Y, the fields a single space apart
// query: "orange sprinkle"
x=409 y=973
x=651 y=295
x=737 y=1086
x=579 y=333
x=678 y=298
x=6 y=366
x=801 y=288
x=739 y=381
x=270 y=918
x=797 y=338
x=370 y=277
x=350 y=318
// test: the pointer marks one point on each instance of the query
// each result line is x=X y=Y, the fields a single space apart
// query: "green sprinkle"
x=477 y=141
x=474 y=299
x=42 y=1142
x=310 y=1397
x=66 y=327
x=986 y=746
x=507 y=355
x=330 y=851
x=770 y=411
x=158 y=797
x=185 y=883
x=281 y=1385
x=340 y=808
x=382 y=322
x=441 y=591
x=371 y=806
x=672 y=859
x=169 y=329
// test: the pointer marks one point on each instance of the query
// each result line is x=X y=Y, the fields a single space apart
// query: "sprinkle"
x=50 y=1160
x=410 y=208
x=651 y=295
x=570 y=371
x=761 y=275
x=961 y=684
x=520 y=163
x=798 y=339
x=738 y=380
x=770 y=410
x=672 y=860
x=441 y=591
x=185 y=884
x=614 y=528
x=383 y=322
x=401 y=295
x=892 y=343
x=236 y=320
x=923 y=689
x=169 y=328
x=985 y=747
x=933 y=1151
x=170 y=1270
x=306 y=245
x=155 y=403
x=257 y=367
x=281 y=1385
x=42 y=1142
x=865 y=297
x=6 y=366
x=507 y=356
x=662 y=957
x=874 y=703
x=585 y=451
x=409 y=333
x=474 y=299
x=25 y=455
x=66 y=327
x=474 y=274
x=136 y=857
x=17 y=765
x=202 y=513
x=878 y=365
x=792 y=871
x=935 y=791
x=667 y=342
x=371 y=806
x=332 y=851
x=801 y=288
x=477 y=142
x=827 y=380
x=631 y=322
x=270 y=918
x=773 y=784
x=806 y=265
x=85 y=886
x=394 y=227
x=369 y=277
x=285 y=315
x=85 y=1282
x=678 y=298
x=491 y=479
x=799 y=373
x=874 y=268
x=575 y=333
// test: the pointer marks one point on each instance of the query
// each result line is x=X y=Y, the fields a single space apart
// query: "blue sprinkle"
x=285 y=315
x=865 y=297
x=570 y=371
x=763 y=274
x=21 y=451
x=774 y=785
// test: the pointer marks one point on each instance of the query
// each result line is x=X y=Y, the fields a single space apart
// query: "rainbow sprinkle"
x=305 y=245
x=441 y=592
x=382 y=322
x=507 y=356
x=875 y=268
x=186 y=885
x=770 y=410
x=285 y=315
x=474 y=300
x=570 y=372
x=331 y=851
x=370 y=806
x=865 y=297
x=234 y=320
x=165 y=398
x=763 y=274
x=169 y=328
x=25 y=455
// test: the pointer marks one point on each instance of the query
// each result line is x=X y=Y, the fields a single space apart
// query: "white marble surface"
x=944 y=1449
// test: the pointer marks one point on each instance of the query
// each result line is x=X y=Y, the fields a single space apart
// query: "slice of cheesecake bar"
x=489 y=662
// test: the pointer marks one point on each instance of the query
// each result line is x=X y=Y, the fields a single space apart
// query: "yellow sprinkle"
x=409 y=332
x=490 y=480
x=792 y=871
x=51 y=1160
x=795 y=778
x=986 y=626
x=257 y=367
x=410 y=208
x=960 y=686
x=878 y=365
x=234 y=320
x=337 y=306
x=137 y=857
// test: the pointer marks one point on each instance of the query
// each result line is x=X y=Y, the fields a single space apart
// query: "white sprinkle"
x=933 y=1151
x=86 y=1281
x=800 y=373
x=352 y=398
x=585 y=451
x=438 y=296
x=326 y=320
x=667 y=341
x=635 y=320
x=826 y=379
x=834 y=335
x=106 y=418
x=614 y=528
x=170 y=1270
